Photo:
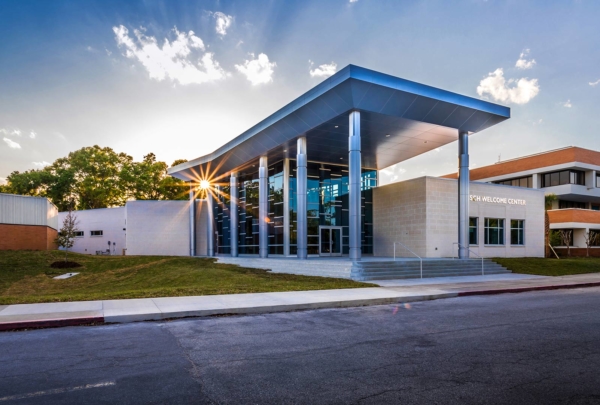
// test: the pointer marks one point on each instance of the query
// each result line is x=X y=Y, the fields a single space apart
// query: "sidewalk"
x=22 y=316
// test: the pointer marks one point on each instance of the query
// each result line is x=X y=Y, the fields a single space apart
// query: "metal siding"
x=26 y=210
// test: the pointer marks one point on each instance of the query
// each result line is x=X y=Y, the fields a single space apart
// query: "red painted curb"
x=50 y=323
x=526 y=289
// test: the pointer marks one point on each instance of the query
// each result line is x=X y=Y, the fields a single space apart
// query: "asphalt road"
x=528 y=348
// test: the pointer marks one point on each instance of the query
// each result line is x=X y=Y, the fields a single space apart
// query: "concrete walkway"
x=23 y=316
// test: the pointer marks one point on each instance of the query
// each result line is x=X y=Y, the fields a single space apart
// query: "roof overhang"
x=400 y=119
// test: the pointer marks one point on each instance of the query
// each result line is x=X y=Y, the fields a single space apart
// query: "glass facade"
x=326 y=203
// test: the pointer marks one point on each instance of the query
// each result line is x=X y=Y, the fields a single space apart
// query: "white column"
x=210 y=226
x=233 y=214
x=301 y=184
x=263 y=208
x=354 y=169
x=286 y=207
x=192 y=219
x=463 y=195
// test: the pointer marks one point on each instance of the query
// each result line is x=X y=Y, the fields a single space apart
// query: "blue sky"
x=79 y=73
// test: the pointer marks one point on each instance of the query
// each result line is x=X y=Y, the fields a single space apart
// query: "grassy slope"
x=26 y=277
x=551 y=267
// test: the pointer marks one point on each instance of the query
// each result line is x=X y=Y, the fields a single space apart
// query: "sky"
x=179 y=79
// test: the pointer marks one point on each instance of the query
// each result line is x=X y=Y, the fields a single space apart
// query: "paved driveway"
x=541 y=347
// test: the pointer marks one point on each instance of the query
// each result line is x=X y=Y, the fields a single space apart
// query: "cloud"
x=519 y=91
x=567 y=104
x=10 y=132
x=352 y=1
x=594 y=83
x=32 y=134
x=223 y=22
x=2 y=180
x=89 y=49
x=257 y=71
x=174 y=59
x=43 y=163
x=324 y=70
x=523 y=63
x=11 y=144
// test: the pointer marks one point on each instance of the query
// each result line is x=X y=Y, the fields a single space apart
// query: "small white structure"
x=141 y=228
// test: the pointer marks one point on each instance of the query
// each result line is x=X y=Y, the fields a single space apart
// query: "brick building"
x=27 y=223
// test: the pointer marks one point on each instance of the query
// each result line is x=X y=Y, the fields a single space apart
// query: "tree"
x=66 y=235
x=548 y=200
x=565 y=237
x=95 y=177
x=591 y=239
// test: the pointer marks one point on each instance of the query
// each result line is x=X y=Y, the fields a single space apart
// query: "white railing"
x=461 y=246
x=407 y=248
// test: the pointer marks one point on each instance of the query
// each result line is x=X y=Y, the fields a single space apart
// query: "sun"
x=204 y=184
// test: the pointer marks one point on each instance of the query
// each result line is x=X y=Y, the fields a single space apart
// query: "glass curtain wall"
x=327 y=204
x=248 y=213
x=222 y=220
x=275 y=221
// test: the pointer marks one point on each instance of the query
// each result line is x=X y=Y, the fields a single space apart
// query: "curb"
x=50 y=323
x=528 y=289
x=163 y=316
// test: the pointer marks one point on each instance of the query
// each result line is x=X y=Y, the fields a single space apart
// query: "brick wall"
x=567 y=155
x=574 y=215
x=26 y=237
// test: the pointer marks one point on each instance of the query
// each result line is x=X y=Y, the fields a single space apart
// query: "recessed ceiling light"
x=285 y=150
x=337 y=126
x=341 y=158
x=387 y=135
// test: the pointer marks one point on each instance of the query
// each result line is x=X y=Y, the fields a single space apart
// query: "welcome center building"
x=304 y=181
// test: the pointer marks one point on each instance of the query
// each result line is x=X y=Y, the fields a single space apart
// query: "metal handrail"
x=407 y=248
x=461 y=246
x=553 y=251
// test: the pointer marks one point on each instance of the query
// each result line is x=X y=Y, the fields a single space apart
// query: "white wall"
x=111 y=221
x=158 y=228
x=423 y=213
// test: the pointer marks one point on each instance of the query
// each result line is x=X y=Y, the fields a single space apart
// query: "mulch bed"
x=64 y=265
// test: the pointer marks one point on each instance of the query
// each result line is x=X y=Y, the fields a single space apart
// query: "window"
x=595 y=207
x=517 y=232
x=78 y=234
x=494 y=231
x=473 y=239
x=563 y=177
x=598 y=180
x=518 y=182
x=95 y=233
x=562 y=204
x=595 y=240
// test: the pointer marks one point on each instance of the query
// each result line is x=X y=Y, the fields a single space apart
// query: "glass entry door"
x=330 y=240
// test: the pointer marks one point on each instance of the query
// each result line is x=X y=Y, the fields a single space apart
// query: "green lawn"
x=26 y=277
x=551 y=267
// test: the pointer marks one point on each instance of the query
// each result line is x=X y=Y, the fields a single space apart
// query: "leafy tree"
x=95 y=177
x=66 y=235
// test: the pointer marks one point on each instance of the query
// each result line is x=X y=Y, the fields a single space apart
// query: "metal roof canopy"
x=400 y=119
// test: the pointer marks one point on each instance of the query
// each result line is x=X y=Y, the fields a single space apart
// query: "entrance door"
x=330 y=240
